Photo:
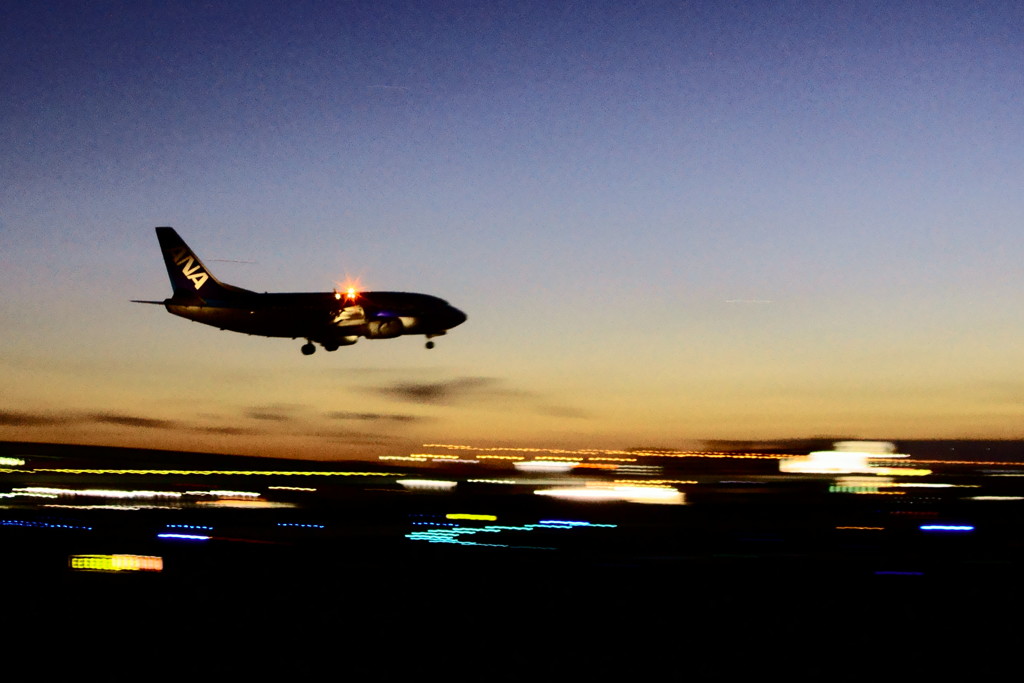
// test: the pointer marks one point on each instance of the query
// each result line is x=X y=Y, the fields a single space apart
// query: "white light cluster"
x=664 y=495
x=94 y=493
x=427 y=484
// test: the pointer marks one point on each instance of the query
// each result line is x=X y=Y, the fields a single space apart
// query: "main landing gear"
x=430 y=343
x=308 y=349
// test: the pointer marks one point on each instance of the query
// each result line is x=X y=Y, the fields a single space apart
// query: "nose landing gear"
x=308 y=349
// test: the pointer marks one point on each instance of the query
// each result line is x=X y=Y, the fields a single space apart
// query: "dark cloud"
x=273 y=413
x=267 y=415
x=475 y=389
x=448 y=391
x=373 y=417
x=18 y=419
x=229 y=431
x=352 y=437
x=130 y=421
x=14 y=419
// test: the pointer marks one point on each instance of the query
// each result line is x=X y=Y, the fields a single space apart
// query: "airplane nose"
x=454 y=317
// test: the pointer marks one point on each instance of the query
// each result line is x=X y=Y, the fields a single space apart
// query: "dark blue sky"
x=667 y=222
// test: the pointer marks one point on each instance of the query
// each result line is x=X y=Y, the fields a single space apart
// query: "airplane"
x=331 y=319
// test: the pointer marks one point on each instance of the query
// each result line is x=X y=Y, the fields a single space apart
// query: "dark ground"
x=751 y=577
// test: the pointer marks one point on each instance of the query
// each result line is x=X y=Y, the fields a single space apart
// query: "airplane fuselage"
x=323 y=317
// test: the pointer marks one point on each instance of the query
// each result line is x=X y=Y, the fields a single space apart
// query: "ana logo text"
x=189 y=266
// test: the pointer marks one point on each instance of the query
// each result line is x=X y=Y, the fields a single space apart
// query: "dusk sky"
x=667 y=222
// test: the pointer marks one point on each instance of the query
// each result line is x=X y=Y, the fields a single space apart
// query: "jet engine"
x=384 y=328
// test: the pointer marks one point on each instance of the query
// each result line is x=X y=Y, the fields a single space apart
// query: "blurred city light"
x=184 y=537
x=546 y=465
x=427 y=484
x=116 y=563
x=634 y=494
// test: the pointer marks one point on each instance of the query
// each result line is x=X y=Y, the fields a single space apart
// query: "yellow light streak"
x=599 y=452
x=482 y=518
x=672 y=453
x=259 y=473
x=654 y=482
x=116 y=563
x=900 y=471
x=876 y=493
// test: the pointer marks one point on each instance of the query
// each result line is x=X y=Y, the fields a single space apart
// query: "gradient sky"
x=667 y=222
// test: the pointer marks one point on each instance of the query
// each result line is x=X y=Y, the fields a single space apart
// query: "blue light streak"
x=456 y=534
x=947 y=527
x=185 y=537
x=41 y=525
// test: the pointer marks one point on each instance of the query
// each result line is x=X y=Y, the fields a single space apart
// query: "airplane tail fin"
x=190 y=279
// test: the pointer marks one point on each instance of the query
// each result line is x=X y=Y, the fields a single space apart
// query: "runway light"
x=947 y=527
x=94 y=493
x=427 y=484
x=460 y=535
x=224 y=494
x=665 y=495
x=266 y=473
x=184 y=537
x=562 y=524
x=242 y=503
x=545 y=465
x=41 y=525
x=116 y=563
